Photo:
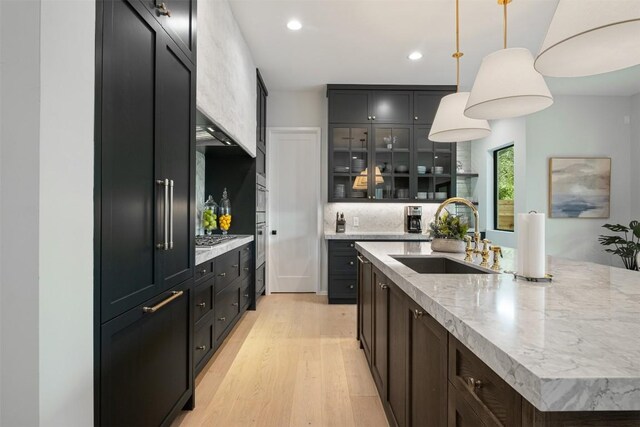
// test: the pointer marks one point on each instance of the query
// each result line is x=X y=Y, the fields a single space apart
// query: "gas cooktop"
x=212 y=240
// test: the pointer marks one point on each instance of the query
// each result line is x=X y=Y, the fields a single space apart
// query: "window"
x=504 y=188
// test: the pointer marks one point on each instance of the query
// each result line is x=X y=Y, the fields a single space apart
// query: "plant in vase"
x=625 y=248
x=448 y=232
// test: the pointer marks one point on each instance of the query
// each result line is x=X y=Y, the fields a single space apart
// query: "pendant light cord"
x=457 y=55
x=505 y=22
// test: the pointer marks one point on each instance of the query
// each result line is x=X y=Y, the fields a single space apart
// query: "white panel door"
x=293 y=175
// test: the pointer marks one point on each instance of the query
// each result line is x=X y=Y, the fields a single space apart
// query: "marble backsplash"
x=375 y=217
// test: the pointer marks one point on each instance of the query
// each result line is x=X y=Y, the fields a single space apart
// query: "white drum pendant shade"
x=506 y=86
x=451 y=125
x=588 y=37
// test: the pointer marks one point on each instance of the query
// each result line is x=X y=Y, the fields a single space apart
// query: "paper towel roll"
x=531 y=245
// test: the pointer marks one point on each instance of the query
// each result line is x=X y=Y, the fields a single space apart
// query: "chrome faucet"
x=476 y=215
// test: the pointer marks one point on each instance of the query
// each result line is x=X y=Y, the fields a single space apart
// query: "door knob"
x=417 y=313
x=415 y=118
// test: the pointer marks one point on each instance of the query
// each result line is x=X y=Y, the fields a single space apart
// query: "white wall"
x=66 y=212
x=589 y=126
x=635 y=157
x=226 y=83
x=46 y=213
x=19 y=168
x=504 y=133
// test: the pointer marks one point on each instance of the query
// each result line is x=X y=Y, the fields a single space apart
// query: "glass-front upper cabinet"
x=349 y=162
x=434 y=169
x=391 y=161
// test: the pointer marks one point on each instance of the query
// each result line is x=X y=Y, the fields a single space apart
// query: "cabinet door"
x=175 y=126
x=391 y=163
x=397 y=359
x=129 y=221
x=349 y=162
x=392 y=107
x=349 y=106
x=425 y=106
x=427 y=369
x=179 y=22
x=146 y=365
x=365 y=305
x=460 y=412
x=261 y=112
x=380 y=330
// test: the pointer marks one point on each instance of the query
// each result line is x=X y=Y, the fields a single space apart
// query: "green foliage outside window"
x=505 y=174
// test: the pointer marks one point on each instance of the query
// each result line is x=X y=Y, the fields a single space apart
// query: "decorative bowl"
x=448 y=245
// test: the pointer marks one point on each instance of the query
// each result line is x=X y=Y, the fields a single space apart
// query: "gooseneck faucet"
x=476 y=215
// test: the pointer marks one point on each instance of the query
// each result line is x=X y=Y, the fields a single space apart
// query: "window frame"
x=495 y=185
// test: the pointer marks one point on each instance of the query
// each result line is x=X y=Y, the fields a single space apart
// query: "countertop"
x=376 y=235
x=204 y=254
x=569 y=345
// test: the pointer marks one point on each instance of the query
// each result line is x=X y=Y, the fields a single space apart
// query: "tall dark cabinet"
x=261 y=185
x=378 y=137
x=144 y=210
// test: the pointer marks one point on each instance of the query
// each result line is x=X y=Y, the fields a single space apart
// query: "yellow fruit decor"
x=225 y=222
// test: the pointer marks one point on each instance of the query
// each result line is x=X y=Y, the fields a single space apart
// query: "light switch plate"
x=356 y=221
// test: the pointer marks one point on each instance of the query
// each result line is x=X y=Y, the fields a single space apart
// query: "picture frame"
x=579 y=187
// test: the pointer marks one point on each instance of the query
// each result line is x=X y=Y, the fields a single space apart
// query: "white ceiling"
x=367 y=42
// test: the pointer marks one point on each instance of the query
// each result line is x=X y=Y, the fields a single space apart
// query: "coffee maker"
x=413 y=220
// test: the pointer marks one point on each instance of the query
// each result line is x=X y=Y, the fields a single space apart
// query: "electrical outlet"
x=356 y=221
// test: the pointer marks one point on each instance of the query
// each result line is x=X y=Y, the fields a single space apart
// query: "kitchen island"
x=570 y=348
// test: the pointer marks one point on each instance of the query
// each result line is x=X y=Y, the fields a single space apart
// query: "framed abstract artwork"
x=579 y=187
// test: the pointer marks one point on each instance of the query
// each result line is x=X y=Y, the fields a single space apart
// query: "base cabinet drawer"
x=460 y=413
x=343 y=287
x=146 y=364
x=227 y=269
x=246 y=297
x=203 y=301
x=489 y=395
x=203 y=272
x=340 y=263
x=203 y=343
x=227 y=308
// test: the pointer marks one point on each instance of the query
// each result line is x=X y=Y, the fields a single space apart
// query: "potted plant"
x=625 y=248
x=448 y=232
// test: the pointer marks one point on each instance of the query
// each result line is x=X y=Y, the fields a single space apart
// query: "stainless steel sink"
x=440 y=265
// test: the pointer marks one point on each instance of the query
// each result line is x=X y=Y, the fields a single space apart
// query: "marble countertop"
x=204 y=254
x=569 y=345
x=375 y=235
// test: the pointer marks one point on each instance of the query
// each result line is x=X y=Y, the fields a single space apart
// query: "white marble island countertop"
x=569 y=345
x=204 y=254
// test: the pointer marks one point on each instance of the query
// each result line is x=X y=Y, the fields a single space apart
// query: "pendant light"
x=588 y=37
x=450 y=123
x=507 y=85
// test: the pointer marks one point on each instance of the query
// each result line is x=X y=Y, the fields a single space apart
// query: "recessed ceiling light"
x=294 y=25
x=414 y=56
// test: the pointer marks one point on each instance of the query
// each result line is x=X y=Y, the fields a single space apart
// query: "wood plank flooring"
x=293 y=362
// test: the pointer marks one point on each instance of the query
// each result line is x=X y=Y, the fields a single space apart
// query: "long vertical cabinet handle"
x=171 y=214
x=165 y=244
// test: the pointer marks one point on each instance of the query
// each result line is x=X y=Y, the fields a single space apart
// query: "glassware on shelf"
x=224 y=213
x=209 y=218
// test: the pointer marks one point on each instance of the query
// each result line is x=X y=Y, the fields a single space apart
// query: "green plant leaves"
x=449 y=227
x=626 y=249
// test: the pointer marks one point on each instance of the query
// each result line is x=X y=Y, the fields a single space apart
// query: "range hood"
x=210 y=134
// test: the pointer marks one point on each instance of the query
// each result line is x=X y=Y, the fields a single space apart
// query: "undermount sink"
x=440 y=265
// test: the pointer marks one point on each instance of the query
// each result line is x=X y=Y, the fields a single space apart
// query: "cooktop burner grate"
x=212 y=240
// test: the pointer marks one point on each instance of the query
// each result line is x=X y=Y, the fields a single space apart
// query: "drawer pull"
x=203 y=272
x=362 y=260
x=246 y=295
x=352 y=245
x=474 y=384
x=417 y=313
x=202 y=304
x=201 y=347
x=383 y=286
x=235 y=266
x=351 y=286
x=222 y=274
x=174 y=295
x=222 y=319
x=246 y=269
x=247 y=248
x=162 y=9
x=234 y=304
x=351 y=263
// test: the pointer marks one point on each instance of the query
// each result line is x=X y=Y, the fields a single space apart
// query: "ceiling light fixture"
x=414 y=56
x=294 y=25
x=588 y=37
x=450 y=123
x=507 y=84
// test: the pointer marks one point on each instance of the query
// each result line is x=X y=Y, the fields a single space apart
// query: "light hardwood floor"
x=293 y=362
